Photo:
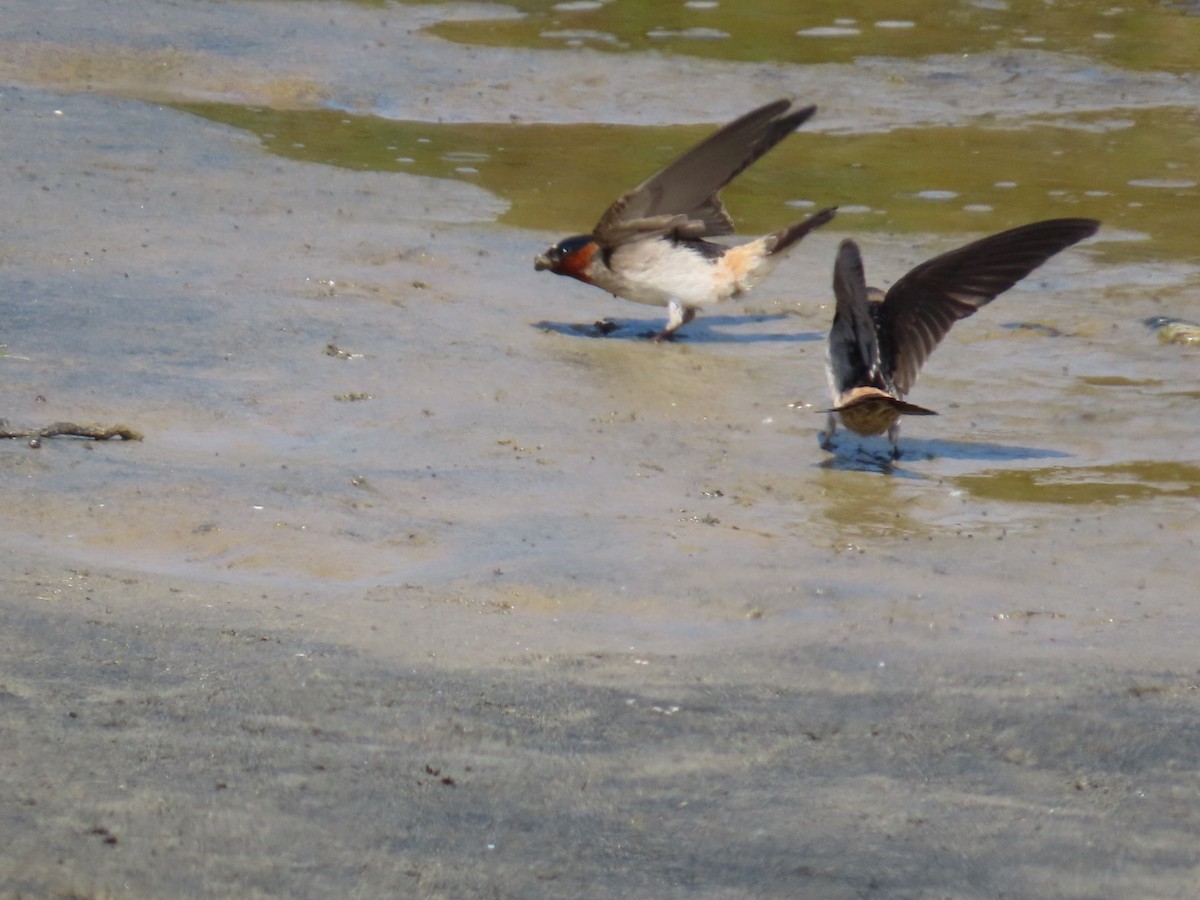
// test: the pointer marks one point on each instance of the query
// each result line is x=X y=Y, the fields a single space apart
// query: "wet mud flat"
x=414 y=588
x=169 y=738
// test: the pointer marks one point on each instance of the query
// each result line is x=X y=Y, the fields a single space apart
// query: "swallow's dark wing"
x=920 y=308
x=853 y=344
x=682 y=198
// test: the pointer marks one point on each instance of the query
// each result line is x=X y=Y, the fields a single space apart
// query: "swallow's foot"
x=605 y=327
x=677 y=317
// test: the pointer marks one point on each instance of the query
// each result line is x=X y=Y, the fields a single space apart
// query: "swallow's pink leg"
x=830 y=428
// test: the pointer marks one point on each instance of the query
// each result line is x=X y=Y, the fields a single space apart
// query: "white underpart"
x=674 y=316
x=659 y=273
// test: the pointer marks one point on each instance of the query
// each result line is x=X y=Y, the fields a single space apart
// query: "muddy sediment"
x=543 y=613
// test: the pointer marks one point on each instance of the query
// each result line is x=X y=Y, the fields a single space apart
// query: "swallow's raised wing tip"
x=848 y=254
x=690 y=184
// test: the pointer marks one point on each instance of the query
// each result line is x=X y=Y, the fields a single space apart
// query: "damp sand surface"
x=418 y=587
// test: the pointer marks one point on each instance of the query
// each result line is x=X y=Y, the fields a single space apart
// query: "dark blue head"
x=569 y=256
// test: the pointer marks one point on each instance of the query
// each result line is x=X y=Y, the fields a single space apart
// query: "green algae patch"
x=555 y=177
x=1139 y=173
x=854 y=507
x=1109 y=485
x=1145 y=35
x=1118 y=381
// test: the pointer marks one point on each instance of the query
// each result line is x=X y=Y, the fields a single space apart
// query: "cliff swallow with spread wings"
x=879 y=342
x=650 y=245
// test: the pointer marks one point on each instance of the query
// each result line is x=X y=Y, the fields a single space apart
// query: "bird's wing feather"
x=682 y=198
x=921 y=307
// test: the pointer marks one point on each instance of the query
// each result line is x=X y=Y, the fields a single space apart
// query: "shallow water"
x=401 y=516
x=1147 y=35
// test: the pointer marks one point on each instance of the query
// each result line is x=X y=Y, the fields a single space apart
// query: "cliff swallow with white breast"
x=879 y=342
x=649 y=246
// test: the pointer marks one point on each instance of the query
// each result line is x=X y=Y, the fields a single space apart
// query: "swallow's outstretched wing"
x=681 y=200
x=920 y=308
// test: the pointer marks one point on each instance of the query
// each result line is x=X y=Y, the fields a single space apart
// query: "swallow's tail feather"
x=868 y=410
x=881 y=400
x=781 y=240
